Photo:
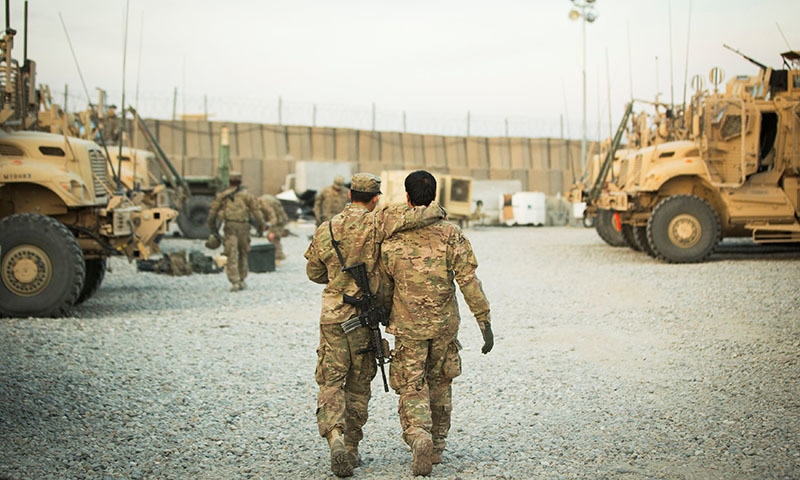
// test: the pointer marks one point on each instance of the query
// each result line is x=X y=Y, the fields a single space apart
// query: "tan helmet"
x=213 y=242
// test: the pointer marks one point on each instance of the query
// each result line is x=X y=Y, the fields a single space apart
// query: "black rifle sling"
x=335 y=244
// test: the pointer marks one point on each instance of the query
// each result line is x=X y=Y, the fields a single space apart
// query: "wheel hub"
x=685 y=231
x=26 y=270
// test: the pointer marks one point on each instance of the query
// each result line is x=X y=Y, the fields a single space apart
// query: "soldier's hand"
x=488 y=337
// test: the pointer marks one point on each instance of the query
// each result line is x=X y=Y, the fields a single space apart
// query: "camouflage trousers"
x=422 y=372
x=344 y=379
x=236 y=246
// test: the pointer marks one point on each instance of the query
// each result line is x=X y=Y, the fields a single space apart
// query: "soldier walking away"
x=330 y=200
x=275 y=216
x=233 y=207
x=420 y=267
x=343 y=373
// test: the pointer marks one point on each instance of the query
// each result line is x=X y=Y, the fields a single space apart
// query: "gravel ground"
x=607 y=364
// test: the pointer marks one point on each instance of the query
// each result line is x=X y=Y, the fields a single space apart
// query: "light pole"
x=583 y=9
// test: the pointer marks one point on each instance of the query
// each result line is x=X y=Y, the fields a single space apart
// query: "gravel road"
x=607 y=365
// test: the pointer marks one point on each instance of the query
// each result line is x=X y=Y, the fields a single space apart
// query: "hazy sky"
x=499 y=58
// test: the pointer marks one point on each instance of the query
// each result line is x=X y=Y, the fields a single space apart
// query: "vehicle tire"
x=640 y=234
x=607 y=228
x=683 y=229
x=95 y=273
x=630 y=237
x=193 y=218
x=41 y=267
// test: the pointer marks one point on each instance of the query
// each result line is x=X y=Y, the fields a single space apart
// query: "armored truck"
x=736 y=177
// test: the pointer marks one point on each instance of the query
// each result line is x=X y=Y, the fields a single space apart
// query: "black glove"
x=488 y=337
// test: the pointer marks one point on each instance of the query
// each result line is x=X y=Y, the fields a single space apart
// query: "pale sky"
x=516 y=59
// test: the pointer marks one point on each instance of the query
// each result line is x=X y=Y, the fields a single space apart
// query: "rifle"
x=371 y=314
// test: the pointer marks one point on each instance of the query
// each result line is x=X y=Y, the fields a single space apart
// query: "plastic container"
x=261 y=258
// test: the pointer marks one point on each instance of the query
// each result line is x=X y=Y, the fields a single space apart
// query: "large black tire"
x=640 y=234
x=193 y=217
x=630 y=237
x=41 y=267
x=95 y=273
x=683 y=229
x=606 y=226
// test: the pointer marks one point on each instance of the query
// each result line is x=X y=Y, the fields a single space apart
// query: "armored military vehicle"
x=60 y=216
x=736 y=177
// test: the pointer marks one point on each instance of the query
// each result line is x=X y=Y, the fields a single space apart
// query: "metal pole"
x=583 y=140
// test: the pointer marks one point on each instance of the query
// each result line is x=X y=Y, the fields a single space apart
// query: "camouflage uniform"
x=420 y=267
x=275 y=216
x=234 y=206
x=330 y=200
x=343 y=376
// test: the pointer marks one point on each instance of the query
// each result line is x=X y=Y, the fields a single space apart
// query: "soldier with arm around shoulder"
x=343 y=375
x=422 y=267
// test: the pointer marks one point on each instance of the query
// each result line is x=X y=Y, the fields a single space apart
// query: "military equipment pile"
x=607 y=364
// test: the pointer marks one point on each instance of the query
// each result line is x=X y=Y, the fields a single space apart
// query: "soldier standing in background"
x=420 y=266
x=343 y=375
x=275 y=216
x=233 y=207
x=111 y=129
x=330 y=200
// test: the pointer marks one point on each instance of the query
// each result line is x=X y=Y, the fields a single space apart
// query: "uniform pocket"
x=319 y=373
x=451 y=367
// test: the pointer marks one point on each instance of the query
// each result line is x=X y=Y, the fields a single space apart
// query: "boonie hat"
x=365 y=183
x=338 y=180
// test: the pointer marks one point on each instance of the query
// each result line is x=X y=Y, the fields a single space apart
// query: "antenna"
x=122 y=103
x=784 y=36
x=88 y=99
x=686 y=69
x=671 y=76
x=630 y=62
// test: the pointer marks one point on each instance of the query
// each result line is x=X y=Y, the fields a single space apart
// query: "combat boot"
x=436 y=456
x=422 y=448
x=340 y=464
x=235 y=287
x=352 y=455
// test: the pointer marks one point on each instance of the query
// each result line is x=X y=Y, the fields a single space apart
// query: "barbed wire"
x=163 y=106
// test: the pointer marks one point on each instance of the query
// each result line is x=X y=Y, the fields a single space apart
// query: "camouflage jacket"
x=273 y=211
x=329 y=202
x=234 y=204
x=359 y=233
x=419 y=270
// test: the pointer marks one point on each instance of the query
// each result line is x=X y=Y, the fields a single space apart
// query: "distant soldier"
x=275 y=216
x=330 y=200
x=233 y=207
x=110 y=125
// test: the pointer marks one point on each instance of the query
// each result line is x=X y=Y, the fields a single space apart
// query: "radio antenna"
x=88 y=99
x=122 y=103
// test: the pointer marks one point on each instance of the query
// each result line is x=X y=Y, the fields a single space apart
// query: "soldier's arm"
x=269 y=214
x=396 y=218
x=464 y=264
x=316 y=270
x=255 y=211
x=386 y=290
x=318 y=205
x=213 y=210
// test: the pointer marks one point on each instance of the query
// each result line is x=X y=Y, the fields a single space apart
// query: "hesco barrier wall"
x=265 y=154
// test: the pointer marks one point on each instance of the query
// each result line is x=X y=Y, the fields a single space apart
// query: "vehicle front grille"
x=99 y=173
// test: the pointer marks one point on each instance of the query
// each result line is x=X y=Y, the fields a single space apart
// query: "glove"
x=488 y=337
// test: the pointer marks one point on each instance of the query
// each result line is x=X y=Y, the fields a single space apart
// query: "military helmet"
x=213 y=242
